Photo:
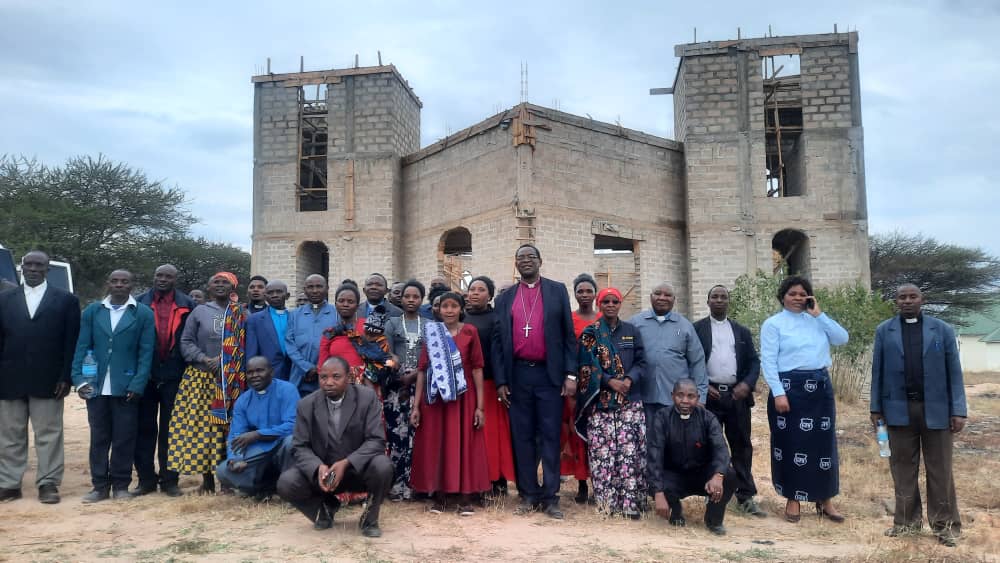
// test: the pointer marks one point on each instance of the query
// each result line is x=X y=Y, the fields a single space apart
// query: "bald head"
x=165 y=278
x=909 y=300
x=276 y=294
x=315 y=289
x=34 y=268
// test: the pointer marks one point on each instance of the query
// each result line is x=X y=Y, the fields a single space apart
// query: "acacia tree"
x=98 y=214
x=955 y=280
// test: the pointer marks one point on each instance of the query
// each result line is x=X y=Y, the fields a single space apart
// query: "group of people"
x=443 y=396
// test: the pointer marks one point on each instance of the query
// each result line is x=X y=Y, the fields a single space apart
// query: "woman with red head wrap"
x=213 y=343
x=609 y=408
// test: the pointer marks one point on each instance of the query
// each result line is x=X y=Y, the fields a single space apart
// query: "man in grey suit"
x=917 y=390
x=39 y=324
x=338 y=445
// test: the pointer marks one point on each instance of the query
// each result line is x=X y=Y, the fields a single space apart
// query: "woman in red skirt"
x=573 y=459
x=449 y=448
x=499 y=454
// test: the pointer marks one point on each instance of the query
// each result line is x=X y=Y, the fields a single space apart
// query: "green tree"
x=98 y=215
x=196 y=260
x=955 y=280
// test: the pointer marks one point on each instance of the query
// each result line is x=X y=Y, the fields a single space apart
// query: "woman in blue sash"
x=795 y=355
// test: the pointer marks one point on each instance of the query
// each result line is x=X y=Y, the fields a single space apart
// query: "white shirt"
x=33 y=296
x=116 y=316
x=721 y=363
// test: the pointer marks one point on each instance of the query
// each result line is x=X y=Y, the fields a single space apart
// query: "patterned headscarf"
x=231 y=278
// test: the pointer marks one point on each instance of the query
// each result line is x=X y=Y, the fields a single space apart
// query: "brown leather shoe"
x=793 y=518
x=831 y=515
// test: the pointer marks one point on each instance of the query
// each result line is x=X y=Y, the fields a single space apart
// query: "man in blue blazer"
x=266 y=330
x=534 y=358
x=917 y=390
x=120 y=334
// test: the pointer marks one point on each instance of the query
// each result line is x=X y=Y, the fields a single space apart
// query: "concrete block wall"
x=730 y=221
x=373 y=113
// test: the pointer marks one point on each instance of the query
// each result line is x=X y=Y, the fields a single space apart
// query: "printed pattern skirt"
x=617 y=444
x=195 y=444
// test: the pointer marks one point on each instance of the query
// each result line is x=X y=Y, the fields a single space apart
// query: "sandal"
x=793 y=518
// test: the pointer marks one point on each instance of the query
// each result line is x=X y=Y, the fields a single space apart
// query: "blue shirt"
x=305 y=330
x=672 y=351
x=790 y=341
x=280 y=321
x=270 y=412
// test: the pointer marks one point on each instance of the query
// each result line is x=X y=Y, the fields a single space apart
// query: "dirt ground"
x=194 y=528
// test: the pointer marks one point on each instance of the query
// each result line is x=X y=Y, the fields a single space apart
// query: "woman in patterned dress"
x=610 y=409
x=212 y=343
x=406 y=341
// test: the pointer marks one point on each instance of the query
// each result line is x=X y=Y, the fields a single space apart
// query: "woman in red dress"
x=573 y=459
x=499 y=454
x=449 y=448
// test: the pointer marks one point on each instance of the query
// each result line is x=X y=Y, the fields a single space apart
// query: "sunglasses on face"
x=610 y=302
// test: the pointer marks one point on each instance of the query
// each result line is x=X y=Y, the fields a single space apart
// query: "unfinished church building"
x=767 y=172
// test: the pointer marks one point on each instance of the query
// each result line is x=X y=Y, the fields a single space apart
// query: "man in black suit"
x=39 y=325
x=171 y=308
x=376 y=287
x=733 y=367
x=534 y=358
x=338 y=445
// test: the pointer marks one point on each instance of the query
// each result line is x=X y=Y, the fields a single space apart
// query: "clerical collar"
x=335 y=402
x=914 y=320
x=684 y=416
x=718 y=322
x=262 y=391
x=279 y=311
x=531 y=285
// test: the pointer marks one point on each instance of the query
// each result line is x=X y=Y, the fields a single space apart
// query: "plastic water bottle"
x=89 y=371
x=882 y=434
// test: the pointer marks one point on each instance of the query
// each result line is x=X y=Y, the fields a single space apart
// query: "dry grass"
x=192 y=528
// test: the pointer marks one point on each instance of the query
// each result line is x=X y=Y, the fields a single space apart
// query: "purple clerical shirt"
x=526 y=311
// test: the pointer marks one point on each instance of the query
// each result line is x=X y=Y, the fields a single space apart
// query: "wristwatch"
x=571 y=377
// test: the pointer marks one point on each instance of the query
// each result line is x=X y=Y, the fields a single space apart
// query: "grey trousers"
x=906 y=443
x=46 y=417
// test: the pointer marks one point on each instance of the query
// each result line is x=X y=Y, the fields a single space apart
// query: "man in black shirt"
x=687 y=455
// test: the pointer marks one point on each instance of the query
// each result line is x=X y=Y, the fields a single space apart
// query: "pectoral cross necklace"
x=527 y=313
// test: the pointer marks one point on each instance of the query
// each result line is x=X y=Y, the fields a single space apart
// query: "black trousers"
x=303 y=491
x=152 y=438
x=734 y=416
x=112 y=428
x=535 y=423
x=682 y=484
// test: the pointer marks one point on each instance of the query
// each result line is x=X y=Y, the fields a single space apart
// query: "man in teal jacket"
x=917 y=390
x=120 y=335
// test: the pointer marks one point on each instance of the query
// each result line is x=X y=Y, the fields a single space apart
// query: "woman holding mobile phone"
x=795 y=354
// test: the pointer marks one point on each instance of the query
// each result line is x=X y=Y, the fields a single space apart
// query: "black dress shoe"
x=7 y=495
x=324 y=518
x=122 y=494
x=552 y=511
x=718 y=529
x=96 y=495
x=48 y=494
x=171 y=490
x=678 y=521
x=371 y=531
x=144 y=489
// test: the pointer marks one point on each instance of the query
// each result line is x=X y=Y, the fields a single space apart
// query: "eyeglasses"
x=610 y=302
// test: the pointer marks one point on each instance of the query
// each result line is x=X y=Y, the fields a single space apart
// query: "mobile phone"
x=329 y=479
x=810 y=303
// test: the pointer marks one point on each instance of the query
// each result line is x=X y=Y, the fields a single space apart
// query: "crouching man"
x=260 y=435
x=338 y=446
x=687 y=455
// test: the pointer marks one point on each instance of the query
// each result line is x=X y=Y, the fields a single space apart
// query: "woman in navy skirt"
x=795 y=355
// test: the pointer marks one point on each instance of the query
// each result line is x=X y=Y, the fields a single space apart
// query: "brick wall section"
x=826 y=87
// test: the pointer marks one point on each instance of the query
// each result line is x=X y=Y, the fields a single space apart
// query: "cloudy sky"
x=166 y=87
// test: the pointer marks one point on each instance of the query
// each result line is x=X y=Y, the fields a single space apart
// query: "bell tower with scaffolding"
x=774 y=154
x=328 y=148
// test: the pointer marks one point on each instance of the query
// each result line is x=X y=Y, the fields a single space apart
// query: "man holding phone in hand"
x=338 y=445
x=120 y=334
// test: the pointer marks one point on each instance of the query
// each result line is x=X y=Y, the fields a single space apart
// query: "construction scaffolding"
x=782 y=128
x=312 y=133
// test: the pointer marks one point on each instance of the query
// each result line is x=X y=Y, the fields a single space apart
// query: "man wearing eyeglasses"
x=534 y=355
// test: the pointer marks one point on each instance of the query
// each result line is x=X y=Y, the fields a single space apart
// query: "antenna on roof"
x=524 y=82
x=302 y=63
x=379 y=58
